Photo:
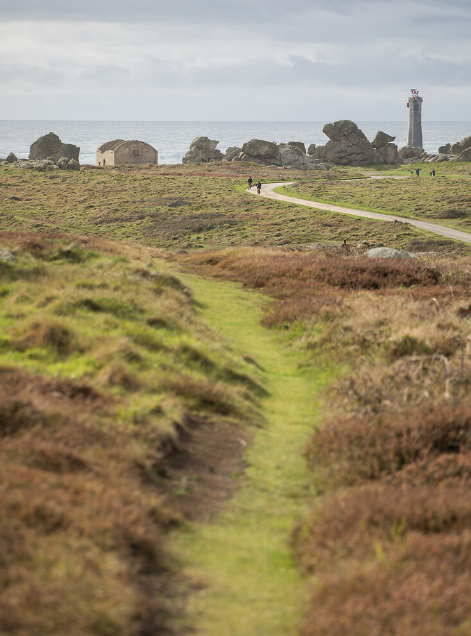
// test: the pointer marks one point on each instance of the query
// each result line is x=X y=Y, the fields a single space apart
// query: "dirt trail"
x=268 y=191
x=241 y=572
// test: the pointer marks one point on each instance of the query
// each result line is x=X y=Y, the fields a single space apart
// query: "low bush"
x=355 y=448
x=421 y=588
x=352 y=524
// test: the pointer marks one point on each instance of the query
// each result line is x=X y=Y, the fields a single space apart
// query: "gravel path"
x=268 y=191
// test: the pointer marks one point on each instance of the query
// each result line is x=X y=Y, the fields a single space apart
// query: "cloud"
x=259 y=56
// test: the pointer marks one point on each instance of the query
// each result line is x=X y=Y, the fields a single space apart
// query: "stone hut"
x=120 y=152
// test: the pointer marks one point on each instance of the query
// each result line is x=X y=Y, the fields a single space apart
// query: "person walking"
x=249 y=181
x=259 y=186
x=417 y=172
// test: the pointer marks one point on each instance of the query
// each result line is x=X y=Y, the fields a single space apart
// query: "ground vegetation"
x=386 y=543
x=108 y=381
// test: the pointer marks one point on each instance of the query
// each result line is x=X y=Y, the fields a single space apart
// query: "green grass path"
x=250 y=584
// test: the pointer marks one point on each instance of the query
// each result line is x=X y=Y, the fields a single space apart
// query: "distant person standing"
x=433 y=172
x=417 y=172
x=259 y=186
x=249 y=181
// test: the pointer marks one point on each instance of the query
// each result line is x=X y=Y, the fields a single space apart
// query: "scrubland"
x=387 y=542
x=443 y=198
x=107 y=368
x=195 y=207
x=105 y=371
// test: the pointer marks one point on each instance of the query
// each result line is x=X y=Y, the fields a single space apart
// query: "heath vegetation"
x=194 y=207
x=105 y=371
x=106 y=368
x=387 y=543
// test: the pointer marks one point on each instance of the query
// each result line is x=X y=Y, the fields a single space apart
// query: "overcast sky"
x=307 y=60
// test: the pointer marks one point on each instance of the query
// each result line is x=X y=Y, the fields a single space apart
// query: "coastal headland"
x=221 y=413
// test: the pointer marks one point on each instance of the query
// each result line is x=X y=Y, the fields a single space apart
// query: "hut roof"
x=110 y=145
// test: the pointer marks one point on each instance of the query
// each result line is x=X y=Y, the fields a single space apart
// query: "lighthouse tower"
x=414 y=136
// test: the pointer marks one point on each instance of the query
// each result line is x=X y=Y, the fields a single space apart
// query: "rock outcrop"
x=266 y=153
x=312 y=149
x=381 y=139
x=293 y=155
x=387 y=252
x=465 y=155
x=203 y=150
x=73 y=164
x=298 y=144
x=11 y=158
x=348 y=146
x=460 y=149
x=6 y=256
x=410 y=152
x=232 y=152
x=51 y=147
x=445 y=150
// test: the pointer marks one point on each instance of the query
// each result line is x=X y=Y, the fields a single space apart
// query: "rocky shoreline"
x=347 y=145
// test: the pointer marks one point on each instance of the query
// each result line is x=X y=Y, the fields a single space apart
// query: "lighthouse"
x=414 y=136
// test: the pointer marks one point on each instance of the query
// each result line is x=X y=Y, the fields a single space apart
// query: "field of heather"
x=216 y=418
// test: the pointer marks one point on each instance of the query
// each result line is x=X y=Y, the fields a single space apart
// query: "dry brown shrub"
x=277 y=270
x=351 y=524
x=80 y=534
x=360 y=447
x=420 y=589
x=446 y=470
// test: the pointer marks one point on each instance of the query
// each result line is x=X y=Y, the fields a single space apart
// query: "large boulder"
x=73 y=164
x=410 y=152
x=260 y=151
x=203 y=150
x=445 y=150
x=298 y=144
x=465 y=155
x=381 y=139
x=292 y=156
x=387 y=252
x=312 y=149
x=389 y=153
x=458 y=148
x=348 y=146
x=11 y=158
x=232 y=152
x=50 y=146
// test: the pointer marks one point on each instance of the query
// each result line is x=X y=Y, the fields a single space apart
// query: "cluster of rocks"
x=63 y=163
x=461 y=149
x=347 y=145
x=47 y=153
x=412 y=154
x=267 y=153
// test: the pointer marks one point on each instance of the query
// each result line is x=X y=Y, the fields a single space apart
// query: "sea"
x=172 y=139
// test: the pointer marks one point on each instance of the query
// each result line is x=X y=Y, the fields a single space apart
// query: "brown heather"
x=358 y=448
x=104 y=368
x=388 y=543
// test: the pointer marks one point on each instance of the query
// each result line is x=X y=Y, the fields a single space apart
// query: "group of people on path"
x=259 y=184
x=417 y=172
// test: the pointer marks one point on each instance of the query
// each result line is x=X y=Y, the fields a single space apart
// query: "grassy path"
x=250 y=585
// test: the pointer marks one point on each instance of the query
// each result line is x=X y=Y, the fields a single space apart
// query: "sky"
x=234 y=60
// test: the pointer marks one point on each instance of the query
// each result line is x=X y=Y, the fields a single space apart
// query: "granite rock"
x=51 y=147
x=203 y=150
x=387 y=252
